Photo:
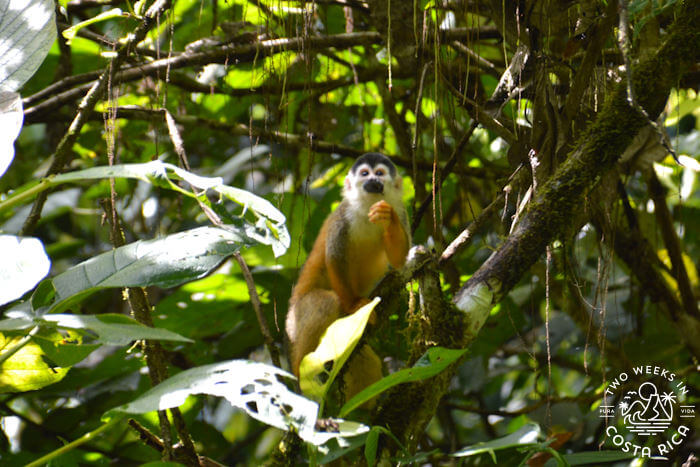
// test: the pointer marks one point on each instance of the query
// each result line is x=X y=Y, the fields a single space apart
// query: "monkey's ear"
x=348 y=183
x=398 y=183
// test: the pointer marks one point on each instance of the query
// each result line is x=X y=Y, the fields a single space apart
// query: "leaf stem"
x=23 y=196
x=21 y=343
x=74 y=444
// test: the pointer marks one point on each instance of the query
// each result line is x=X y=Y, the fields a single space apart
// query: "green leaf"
x=15 y=324
x=27 y=31
x=23 y=265
x=253 y=387
x=65 y=353
x=163 y=262
x=69 y=33
x=525 y=436
x=434 y=361
x=26 y=369
x=335 y=346
x=268 y=229
x=371 y=445
x=111 y=328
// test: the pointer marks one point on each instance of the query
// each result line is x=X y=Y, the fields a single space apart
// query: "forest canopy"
x=165 y=168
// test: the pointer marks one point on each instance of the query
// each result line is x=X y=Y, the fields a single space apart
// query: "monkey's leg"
x=364 y=368
x=307 y=320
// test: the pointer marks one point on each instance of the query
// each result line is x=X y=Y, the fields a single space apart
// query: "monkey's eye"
x=364 y=172
x=379 y=172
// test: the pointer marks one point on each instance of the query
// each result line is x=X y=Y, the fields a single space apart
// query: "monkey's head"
x=373 y=177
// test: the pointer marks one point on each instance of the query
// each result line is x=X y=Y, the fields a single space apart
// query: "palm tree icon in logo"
x=645 y=411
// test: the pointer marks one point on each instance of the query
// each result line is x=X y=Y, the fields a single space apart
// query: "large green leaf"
x=525 y=436
x=269 y=225
x=109 y=328
x=23 y=265
x=434 y=361
x=254 y=387
x=113 y=329
x=163 y=262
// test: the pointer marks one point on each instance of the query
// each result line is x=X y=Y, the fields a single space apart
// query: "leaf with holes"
x=254 y=387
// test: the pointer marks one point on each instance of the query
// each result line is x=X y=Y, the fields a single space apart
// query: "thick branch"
x=596 y=153
x=228 y=54
x=673 y=245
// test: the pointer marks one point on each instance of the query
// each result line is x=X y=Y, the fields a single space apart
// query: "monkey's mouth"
x=373 y=186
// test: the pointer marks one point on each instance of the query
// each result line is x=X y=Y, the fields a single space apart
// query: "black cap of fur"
x=372 y=159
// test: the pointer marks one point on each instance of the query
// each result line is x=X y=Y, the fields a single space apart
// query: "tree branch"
x=673 y=245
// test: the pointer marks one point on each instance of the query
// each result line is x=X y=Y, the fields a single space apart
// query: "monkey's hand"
x=395 y=237
x=382 y=214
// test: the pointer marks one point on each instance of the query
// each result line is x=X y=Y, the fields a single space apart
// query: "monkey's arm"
x=395 y=237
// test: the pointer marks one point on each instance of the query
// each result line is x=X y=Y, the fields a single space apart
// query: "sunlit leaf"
x=268 y=229
x=335 y=346
x=23 y=265
x=108 y=328
x=11 y=118
x=70 y=32
x=26 y=369
x=27 y=31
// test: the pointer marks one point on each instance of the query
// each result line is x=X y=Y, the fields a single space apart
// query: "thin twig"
x=73 y=444
x=444 y=172
x=479 y=115
x=465 y=237
x=291 y=140
x=257 y=306
x=481 y=62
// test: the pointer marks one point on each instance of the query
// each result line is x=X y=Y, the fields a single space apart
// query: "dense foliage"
x=177 y=159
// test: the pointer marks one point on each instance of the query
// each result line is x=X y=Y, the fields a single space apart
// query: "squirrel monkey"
x=366 y=234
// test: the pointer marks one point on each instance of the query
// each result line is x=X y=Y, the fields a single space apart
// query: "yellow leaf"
x=26 y=369
x=319 y=368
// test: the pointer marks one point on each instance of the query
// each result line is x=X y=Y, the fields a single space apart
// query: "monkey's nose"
x=373 y=186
